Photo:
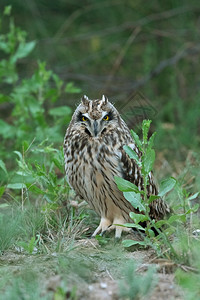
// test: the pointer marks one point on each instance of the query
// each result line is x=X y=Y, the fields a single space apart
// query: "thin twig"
x=166 y=63
x=79 y=12
x=130 y=25
x=109 y=274
x=131 y=86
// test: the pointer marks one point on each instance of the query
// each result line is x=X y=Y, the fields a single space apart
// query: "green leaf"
x=19 y=155
x=166 y=186
x=145 y=129
x=151 y=141
x=60 y=111
x=136 y=139
x=193 y=209
x=25 y=146
x=137 y=218
x=125 y=185
x=7 y=10
x=16 y=186
x=3 y=166
x=2 y=190
x=71 y=89
x=58 y=164
x=152 y=198
x=3 y=205
x=150 y=232
x=148 y=161
x=31 y=245
x=135 y=200
x=171 y=220
x=132 y=154
x=193 y=196
x=36 y=190
x=176 y=218
x=23 y=173
x=23 y=50
x=129 y=243
x=160 y=223
x=133 y=225
x=102 y=240
x=6 y=130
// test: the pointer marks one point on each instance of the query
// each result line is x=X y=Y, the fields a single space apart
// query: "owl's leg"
x=103 y=226
x=119 y=229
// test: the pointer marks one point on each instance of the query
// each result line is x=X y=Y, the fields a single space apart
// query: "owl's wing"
x=132 y=172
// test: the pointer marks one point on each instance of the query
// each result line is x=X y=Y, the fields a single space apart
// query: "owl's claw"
x=103 y=232
x=102 y=228
x=118 y=230
x=106 y=226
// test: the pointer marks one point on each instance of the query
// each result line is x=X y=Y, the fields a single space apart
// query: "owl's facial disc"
x=96 y=127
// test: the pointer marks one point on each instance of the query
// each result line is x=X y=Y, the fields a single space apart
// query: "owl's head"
x=95 y=117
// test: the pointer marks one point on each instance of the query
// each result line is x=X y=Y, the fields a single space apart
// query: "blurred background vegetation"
x=143 y=53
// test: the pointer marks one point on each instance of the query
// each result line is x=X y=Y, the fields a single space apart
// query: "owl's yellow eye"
x=84 y=118
x=106 y=118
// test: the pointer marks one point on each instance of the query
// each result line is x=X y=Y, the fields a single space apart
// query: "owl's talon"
x=103 y=226
x=103 y=233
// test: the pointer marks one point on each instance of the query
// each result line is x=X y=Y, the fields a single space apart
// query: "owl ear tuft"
x=104 y=99
x=85 y=100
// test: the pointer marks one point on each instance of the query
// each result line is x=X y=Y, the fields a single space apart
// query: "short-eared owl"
x=93 y=150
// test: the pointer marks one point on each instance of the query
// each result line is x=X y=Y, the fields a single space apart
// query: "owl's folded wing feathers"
x=132 y=172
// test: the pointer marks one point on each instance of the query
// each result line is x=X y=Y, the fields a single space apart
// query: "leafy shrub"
x=31 y=125
x=140 y=201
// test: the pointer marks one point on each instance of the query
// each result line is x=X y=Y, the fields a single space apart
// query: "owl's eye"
x=106 y=118
x=84 y=118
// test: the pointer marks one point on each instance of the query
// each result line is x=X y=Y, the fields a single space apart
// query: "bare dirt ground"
x=94 y=271
x=107 y=285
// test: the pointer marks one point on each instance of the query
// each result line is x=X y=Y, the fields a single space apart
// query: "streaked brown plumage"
x=93 y=150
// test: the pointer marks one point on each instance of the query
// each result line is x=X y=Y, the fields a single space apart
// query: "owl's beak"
x=95 y=124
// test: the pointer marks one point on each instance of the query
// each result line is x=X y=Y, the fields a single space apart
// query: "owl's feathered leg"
x=103 y=226
x=119 y=229
x=106 y=226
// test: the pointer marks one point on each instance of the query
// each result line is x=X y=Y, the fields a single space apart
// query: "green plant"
x=25 y=286
x=9 y=227
x=140 y=200
x=62 y=293
x=135 y=286
x=39 y=125
x=31 y=133
x=29 y=105
x=188 y=279
x=30 y=247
